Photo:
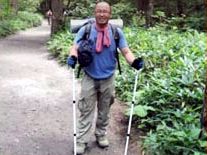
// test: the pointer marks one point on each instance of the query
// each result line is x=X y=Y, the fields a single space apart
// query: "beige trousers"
x=94 y=93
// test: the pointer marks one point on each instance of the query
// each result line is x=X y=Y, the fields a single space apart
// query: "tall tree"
x=14 y=5
x=180 y=7
x=149 y=12
x=147 y=7
x=57 y=8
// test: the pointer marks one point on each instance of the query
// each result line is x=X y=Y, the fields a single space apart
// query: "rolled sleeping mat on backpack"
x=75 y=24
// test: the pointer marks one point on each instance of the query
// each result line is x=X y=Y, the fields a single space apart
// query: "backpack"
x=86 y=35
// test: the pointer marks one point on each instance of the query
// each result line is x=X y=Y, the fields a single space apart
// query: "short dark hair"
x=99 y=1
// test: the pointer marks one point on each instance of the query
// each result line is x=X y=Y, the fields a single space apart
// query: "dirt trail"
x=36 y=101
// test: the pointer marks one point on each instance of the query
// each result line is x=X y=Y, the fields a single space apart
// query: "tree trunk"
x=205 y=109
x=205 y=95
x=146 y=7
x=205 y=101
x=167 y=9
x=14 y=6
x=149 y=12
x=57 y=7
x=180 y=9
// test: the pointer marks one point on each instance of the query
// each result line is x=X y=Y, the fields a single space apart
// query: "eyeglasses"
x=102 y=11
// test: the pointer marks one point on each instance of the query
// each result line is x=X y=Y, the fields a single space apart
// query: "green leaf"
x=203 y=143
x=141 y=111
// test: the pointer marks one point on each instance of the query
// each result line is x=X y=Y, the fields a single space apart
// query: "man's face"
x=102 y=13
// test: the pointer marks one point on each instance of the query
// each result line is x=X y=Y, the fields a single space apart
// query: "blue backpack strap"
x=87 y=31
x=116 y=38
x=85 y=36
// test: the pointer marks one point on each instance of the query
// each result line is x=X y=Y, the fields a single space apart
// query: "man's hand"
x=71 y=61
x=138 y=63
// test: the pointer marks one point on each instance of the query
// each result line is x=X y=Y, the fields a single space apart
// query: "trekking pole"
x=131 y=113
x=74 y=113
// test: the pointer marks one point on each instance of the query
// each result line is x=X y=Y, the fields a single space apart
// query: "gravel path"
x=36 y=101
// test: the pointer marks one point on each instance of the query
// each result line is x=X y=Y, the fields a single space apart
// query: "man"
x=49 y=16
x=98 y=81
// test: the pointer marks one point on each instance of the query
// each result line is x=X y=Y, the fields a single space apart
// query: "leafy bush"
x=179 y=140
x=170 y=88
x=196 y=21
x=59 y=45
x=82 y=9
x=21 y=21
x=5 y=9
x=28 y=5
x=30 y=19
x=124 y=11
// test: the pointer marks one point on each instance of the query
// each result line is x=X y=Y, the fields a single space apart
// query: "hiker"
x=97 y=87
x=49 y=16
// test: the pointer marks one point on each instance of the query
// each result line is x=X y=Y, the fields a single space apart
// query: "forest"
x=171 y=101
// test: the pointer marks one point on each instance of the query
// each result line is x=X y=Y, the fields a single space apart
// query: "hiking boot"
x=80 y=148
x=102 y=141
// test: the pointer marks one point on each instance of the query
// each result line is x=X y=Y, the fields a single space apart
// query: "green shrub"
x=29 y=5
x=30 y=19
x=124 y=11
x=179 y=140
x=170 y=88
x=59 y=45
x=21 y=21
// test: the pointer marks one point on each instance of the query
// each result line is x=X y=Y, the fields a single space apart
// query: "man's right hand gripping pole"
x=72 y=61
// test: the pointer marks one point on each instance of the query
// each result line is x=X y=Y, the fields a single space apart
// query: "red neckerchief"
x=103 y=38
